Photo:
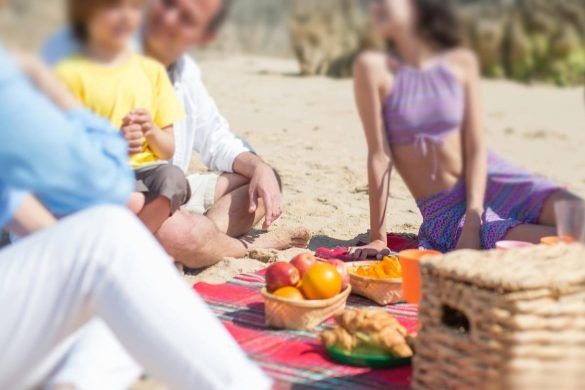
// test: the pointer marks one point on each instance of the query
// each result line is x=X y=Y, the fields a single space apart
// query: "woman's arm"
x=369 y=86
x=70 y=160
x=475 y=153
x=30 y=217
x=47 y=83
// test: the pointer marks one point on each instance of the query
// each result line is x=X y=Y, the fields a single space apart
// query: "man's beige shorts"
x=202 y=191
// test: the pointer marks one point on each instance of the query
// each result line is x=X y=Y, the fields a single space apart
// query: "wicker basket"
x=503 y=320
x=382 y=291
x=302 y=315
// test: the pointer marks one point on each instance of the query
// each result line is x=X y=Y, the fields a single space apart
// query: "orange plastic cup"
x=411 y=280
x=554 y=240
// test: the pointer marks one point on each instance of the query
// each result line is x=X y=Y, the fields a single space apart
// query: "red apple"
x=342 y=269
x=280 y=275
x=303 y=262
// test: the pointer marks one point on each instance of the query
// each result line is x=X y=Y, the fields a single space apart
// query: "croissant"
x=368 y=327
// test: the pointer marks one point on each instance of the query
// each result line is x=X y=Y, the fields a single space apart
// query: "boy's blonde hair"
x=79 y=12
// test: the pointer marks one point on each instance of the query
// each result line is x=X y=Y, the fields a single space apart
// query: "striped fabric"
x=426 y=104
x=513 y=197
x=296 y=359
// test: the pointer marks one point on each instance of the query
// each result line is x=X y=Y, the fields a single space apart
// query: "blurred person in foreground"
x=241 y=188
x=100 y=263
x=422 y=114
x=134 y=93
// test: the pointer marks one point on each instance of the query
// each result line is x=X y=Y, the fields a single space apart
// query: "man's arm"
x=221 y=150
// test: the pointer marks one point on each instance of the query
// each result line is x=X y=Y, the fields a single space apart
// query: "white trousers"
x=91 y=359
x=103 y=264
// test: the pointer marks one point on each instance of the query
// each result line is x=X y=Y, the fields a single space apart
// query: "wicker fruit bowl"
x=382 y=291
x=302 y=315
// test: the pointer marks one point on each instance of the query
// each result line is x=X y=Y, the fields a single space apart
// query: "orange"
x=290 y=293
x=321 y=281
x=388 y=268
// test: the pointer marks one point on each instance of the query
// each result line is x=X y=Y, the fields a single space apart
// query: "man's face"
x=173 y=26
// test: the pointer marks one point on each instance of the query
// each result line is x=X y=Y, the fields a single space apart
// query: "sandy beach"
x=308 y=129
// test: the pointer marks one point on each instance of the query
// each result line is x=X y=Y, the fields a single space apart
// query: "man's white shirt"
x=204 y=131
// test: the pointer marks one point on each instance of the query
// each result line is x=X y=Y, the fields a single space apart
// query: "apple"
x=342 y=269
x=280 y=275
x=303 y=262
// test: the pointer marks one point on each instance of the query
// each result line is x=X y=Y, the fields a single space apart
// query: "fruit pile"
x=307 y=278
x=388 y=268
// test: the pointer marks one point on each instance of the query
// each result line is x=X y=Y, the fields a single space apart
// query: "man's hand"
x=264 y=185
x=133 y=134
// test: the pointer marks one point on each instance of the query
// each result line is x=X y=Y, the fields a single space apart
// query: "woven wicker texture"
x=528 y=331
x=540 y=267
x=381 y=291
x=303 y=315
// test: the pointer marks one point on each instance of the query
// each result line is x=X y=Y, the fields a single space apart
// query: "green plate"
x=367 y=358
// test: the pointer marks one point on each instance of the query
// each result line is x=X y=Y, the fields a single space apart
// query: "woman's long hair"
x=438 y=23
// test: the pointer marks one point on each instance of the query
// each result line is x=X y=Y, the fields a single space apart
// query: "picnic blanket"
x=294 y=359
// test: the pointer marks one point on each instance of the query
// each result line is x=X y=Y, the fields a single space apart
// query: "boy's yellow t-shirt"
x=113 y=91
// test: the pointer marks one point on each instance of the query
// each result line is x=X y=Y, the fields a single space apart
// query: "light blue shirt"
x=70 y=161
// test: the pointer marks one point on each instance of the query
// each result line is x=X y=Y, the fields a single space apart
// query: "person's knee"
x=186 y=237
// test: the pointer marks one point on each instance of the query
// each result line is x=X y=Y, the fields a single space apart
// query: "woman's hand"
x=376 y=249
x=470 y=234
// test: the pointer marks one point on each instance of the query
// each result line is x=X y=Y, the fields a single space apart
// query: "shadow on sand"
x=321 y=241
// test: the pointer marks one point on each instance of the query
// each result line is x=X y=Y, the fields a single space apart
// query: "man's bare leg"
x=196 y=242
x=155 y=213
x=230 y=213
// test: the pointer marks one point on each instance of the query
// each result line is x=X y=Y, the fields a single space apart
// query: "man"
x=243 y=189
x=99 y=264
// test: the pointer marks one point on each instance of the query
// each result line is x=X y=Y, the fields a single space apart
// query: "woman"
x=422 y=114
x=97 y=264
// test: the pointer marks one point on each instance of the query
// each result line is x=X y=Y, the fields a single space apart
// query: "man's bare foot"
x=279 y=239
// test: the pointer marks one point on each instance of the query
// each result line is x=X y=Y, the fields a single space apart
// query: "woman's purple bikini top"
x=423 y=108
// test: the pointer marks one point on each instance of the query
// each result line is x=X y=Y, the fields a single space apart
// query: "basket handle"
x=455 y=319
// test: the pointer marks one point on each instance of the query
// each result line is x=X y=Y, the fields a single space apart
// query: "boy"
x=135 y=94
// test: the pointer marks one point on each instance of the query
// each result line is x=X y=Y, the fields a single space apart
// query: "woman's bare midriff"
x=417 y=170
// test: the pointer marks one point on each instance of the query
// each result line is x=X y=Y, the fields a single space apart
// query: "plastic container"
x=367 y=359
x=301 y=315
x=382 y=291
x=555 y=240
x=513 y=245
x=411 y=280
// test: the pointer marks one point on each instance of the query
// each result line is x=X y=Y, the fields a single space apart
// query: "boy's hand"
x=143 y=118
x=132 y=132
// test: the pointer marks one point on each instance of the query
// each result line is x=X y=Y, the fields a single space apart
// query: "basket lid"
x=550 y=267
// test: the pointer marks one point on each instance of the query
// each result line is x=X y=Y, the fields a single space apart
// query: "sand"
x=308 y=129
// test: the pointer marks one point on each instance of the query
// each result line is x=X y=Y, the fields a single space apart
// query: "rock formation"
x=525 y=40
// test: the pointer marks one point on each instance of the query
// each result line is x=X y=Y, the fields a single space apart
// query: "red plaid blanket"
x=296 y=359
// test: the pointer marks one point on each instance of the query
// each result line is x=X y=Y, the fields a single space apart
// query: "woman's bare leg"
x=530 y=233
x=548 y=212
